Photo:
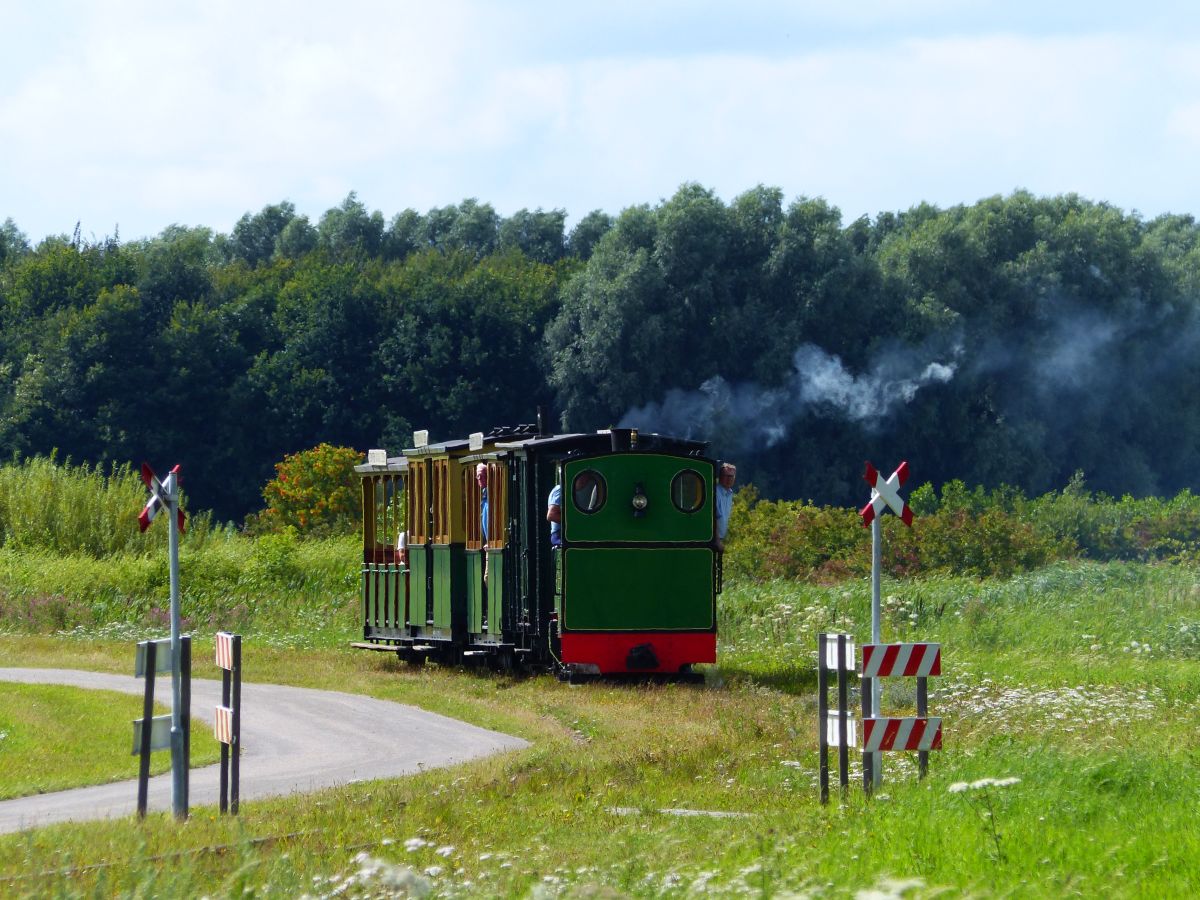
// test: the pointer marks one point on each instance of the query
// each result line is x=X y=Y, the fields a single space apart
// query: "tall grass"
x=84 y=510
x=284 y=589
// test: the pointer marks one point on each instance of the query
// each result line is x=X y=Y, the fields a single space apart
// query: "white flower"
x=959 y=786
x=415 y=843
x=444 y=851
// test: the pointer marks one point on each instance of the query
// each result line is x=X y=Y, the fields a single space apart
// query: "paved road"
x=293 y=740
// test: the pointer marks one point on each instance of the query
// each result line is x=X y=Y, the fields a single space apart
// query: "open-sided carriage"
x=629 y=589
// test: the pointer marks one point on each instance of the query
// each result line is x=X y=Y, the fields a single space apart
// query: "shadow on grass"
x=796 y=679
x=789 y=679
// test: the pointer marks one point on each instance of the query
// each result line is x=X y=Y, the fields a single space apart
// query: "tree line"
x=1016 y=340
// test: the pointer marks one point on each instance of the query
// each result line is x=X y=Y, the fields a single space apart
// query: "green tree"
x=348 y=231
x=256 y=236
x=314 y=492
x=587 y=233
x=538 y=234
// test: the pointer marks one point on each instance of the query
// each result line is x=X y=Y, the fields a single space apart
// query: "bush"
x=315 y=493
x=81 y=510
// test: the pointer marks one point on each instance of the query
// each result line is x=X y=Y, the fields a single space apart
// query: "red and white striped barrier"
x=225 y=650
x=907 y=733
x=223 y=725
x=884 y=660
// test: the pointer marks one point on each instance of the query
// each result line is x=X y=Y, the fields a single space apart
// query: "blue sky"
x=140 y=115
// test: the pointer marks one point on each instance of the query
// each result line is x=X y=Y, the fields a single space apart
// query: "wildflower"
x=415 y=843
x=959 y=786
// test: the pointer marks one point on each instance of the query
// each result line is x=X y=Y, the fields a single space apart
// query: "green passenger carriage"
x=630 y=588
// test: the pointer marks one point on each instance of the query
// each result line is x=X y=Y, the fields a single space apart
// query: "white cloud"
x=145 y=115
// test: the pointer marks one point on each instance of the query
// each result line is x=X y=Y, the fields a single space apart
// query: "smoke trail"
x=752 y=415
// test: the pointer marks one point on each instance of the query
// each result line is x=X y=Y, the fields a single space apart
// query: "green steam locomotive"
x=461 y=561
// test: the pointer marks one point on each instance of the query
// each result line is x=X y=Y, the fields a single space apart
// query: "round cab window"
x=589 y=491
x=687 y=491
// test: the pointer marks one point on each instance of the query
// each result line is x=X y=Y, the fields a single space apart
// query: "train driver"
x=724 y=501
x=481 y=477
x=554 y=515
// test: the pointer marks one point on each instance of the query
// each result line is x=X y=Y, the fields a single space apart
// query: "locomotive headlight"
x=639 y=501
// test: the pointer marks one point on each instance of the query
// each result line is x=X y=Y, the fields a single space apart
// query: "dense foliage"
x=1013 y=341
x=71 y=555
x=959 y=531
x=314 y=492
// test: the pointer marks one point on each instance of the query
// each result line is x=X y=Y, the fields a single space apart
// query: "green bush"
x=1107 y=528
x=80 y=510
x=959 y=530
x=274 y=586
x=315 y=493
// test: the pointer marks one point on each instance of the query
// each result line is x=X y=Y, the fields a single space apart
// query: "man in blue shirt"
x=554 y=515
x=481 y=474
x=724 y=501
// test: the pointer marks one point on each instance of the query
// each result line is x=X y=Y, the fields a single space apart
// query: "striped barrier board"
x=907 y=733
x=884 y=660
x=225 y=650
x=223 y=725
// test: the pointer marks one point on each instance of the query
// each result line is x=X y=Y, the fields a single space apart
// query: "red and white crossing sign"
x=910 y=660
x=224 y=650
x=886 y=493
x=223 y=724
x=158 y=498
x=905 y=733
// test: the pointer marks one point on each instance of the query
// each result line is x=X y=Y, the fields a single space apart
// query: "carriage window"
x=589 y=491
x=687 y=491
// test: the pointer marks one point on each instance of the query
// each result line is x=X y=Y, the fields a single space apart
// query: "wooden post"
x=923 y=712
x=237 y=723
x=823 y=714
x=147 y=721
x=843 y=713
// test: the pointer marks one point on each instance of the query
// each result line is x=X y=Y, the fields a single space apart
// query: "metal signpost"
x=836 y=728
x=151 y=732
x=165 y=494
x=884 y=494
x=835 y=653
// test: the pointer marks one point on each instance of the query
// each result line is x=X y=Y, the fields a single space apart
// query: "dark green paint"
x=631 y=589
x=615 y=521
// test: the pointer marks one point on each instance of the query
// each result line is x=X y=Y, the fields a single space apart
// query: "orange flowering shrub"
x=315 y=492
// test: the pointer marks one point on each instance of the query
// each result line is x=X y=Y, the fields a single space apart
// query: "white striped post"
x=227 y=720
x=835 y=652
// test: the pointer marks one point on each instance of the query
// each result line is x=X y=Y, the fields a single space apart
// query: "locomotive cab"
x=637 y=568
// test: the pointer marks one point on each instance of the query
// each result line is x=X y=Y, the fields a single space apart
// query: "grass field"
x=54 y=737
x=1079 y=681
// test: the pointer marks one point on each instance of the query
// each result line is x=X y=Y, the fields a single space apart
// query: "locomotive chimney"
x=622 y=438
